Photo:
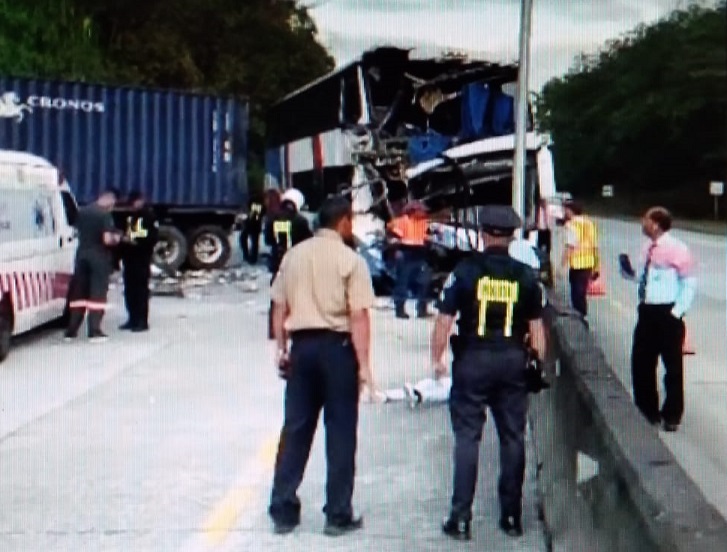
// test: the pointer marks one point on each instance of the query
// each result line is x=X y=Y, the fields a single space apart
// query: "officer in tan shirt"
x=321 y=300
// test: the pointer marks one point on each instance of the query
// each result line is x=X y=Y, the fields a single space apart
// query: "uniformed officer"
x=499 y=302
x=250 y=235
x=322 y=296
x=137 y=248
x=97 y=234
x=285 y=229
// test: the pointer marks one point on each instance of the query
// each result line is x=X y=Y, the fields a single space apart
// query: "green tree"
x=48 y=39
x=647 y=112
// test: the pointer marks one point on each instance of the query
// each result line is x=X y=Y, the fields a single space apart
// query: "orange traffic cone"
x=687 y=348
x=597 y=287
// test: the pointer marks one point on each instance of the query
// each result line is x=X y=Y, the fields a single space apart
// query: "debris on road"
x=181 y=284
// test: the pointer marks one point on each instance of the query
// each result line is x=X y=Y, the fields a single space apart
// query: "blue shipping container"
x=183 y=151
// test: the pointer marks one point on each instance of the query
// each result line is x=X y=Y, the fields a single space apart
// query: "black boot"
x=401 y=311
x=75 y=320
x=511 y=525
x=456 y=529
x=422 y=311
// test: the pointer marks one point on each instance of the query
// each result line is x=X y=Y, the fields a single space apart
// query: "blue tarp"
x=486 y=112
x=426 y=147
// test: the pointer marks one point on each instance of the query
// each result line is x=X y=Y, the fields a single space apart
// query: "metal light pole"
x=521 y=112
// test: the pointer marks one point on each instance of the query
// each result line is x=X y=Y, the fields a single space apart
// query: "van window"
x=69 y=208
x=25 y=215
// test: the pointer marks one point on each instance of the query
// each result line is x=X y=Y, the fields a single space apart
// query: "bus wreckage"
x=388 y=128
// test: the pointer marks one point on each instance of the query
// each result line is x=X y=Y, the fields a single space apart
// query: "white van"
x=37 y=244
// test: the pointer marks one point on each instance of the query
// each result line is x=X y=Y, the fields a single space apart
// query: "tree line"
x=254 y=50
x=646 y=114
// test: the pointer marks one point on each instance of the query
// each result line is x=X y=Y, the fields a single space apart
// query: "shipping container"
x=185 y=152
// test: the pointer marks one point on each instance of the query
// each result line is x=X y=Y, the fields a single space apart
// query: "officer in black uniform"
x=250 y=235
x=499 y=302
x=137 y=247
x=284 y=230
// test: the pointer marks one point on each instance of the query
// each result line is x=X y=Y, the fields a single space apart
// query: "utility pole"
x=521 y=113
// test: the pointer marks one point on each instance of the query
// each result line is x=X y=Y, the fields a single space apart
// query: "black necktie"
x=645 y=275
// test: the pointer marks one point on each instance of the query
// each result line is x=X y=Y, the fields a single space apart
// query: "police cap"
x=498 y=220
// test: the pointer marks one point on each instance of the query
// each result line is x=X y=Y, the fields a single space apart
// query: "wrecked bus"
x=388 y=128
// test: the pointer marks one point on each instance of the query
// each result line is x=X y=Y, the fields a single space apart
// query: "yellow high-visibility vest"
x=584 y=254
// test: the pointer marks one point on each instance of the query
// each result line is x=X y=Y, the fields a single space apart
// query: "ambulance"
x=37 y=244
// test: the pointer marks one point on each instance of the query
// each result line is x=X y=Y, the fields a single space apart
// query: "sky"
x=485 y=29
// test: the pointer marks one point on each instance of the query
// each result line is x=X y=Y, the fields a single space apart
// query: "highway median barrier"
x=606 y=481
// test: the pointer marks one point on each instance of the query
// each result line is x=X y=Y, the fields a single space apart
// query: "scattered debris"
x=180 y=284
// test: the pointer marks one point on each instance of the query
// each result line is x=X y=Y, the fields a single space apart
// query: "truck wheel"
x=209 y=247
x=170 y=250
x=5 y=334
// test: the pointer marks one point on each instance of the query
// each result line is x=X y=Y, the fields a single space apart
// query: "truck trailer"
x=185 y=152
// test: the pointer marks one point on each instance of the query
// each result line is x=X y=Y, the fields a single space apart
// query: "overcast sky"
x=484 y=28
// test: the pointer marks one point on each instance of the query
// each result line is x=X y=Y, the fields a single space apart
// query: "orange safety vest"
x=584 y=254
x=410 y=230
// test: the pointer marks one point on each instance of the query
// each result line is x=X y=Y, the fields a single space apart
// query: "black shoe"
x=140 y=328
x=126 y=326
x=422 y=311
x=511 y=526
x=671 y=428
x=98 y=337
x=284 y=527
x=401 y=312
x=69 y=337
x=335 y=529
x=456 y=529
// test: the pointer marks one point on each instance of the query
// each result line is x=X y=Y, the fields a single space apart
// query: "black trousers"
x=658 y=334
x=545 y=240
x=136 y=275
x=324 y=376
x=250 y=244
x=87 y=294
x=493 y=377
x=579 y=280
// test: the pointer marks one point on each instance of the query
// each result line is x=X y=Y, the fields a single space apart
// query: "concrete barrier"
x=606 y=480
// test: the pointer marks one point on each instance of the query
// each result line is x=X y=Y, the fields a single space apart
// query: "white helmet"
x=295 y=197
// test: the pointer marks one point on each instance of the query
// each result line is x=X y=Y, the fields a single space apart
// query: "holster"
x=535 y=377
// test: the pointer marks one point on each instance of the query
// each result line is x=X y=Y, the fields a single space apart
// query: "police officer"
x=97 y=234
x=285 y=229
x=499 y=302
x=250 y=235
x=137 y=247
x=322 y=296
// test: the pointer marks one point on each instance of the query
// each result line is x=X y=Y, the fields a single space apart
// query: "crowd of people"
x=321 y=296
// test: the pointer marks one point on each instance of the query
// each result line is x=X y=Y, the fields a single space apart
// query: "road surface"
x=701 y=441
x=166 y=441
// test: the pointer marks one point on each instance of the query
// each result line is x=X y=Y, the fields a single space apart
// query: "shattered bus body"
x=389 y=128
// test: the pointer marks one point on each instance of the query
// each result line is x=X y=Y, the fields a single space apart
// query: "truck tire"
x=170 y=251
x=209 y=247
x=6 y=332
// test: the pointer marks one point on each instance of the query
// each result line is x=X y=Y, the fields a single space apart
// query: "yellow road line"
x=224 y=516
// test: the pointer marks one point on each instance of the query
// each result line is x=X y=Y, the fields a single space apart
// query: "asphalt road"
x=701 y=441
x=166 y=441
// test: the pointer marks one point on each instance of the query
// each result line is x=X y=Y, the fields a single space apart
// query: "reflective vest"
x=584 y=253
x=410 y=230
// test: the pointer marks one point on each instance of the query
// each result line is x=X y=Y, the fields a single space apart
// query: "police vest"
x=584 y=253
x=497 y=299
